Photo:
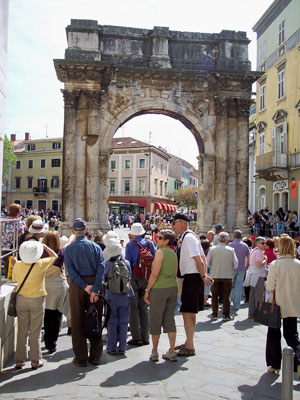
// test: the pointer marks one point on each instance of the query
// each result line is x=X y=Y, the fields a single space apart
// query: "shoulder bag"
x=268 y=314
x=12 y=305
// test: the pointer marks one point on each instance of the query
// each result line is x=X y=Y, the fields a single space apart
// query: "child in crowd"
x=119 y=303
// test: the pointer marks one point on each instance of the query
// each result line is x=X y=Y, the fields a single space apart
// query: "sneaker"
x=227 y=318
x=170 y=356
x=111 y=352
x=214 y=317
x=154 y=357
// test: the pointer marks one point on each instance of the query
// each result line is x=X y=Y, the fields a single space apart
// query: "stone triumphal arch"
x=112 y=74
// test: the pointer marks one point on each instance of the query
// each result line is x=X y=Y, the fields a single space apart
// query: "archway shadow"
x=265 y=387
x=43 y=379
x=145 y=372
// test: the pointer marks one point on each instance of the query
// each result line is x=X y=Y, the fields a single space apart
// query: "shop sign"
x=281 y=185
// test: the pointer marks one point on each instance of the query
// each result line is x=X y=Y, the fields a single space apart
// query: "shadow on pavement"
x=145 y=372
x=208 y=325
x=43 y=379
x=244 y=324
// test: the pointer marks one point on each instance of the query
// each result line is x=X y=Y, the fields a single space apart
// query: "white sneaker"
x=170 y=356
x=154 y=357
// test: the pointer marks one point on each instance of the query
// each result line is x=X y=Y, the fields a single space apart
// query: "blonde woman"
x=284 y=280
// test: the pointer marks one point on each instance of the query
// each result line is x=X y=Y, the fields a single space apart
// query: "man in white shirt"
x=192 y=266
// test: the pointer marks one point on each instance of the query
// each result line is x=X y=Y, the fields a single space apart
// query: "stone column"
x=69 y=151
x=220 y=176
x=242 y=165
x=92 y=159
x=206 y=190
x=104 y=156
x=231 y=166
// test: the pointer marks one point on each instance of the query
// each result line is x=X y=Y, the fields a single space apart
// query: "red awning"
x=158 y=206
x=169 y=207
x=164 y=206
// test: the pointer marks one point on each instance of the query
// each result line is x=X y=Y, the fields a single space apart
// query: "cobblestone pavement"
x=229 y=364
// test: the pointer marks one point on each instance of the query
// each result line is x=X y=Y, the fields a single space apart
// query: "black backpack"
x=92 y=329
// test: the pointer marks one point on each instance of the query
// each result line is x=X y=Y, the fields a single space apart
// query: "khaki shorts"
x=162 y=310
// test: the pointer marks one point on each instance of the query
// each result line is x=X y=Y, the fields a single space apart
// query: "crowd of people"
x=66 y=275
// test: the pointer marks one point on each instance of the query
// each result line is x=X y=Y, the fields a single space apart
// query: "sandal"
x=186 y=352
x=20 y=364
x=273 y=370
x=181 y=346
x=133 y=342
x=36 y=364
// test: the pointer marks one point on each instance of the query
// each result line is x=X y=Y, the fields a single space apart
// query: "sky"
x=37 y=35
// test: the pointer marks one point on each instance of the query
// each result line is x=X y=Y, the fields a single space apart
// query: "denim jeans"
x=237 y=290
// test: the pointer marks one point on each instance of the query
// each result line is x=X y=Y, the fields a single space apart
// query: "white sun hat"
x=31 y=251
x=136 y=229
x=37 y=226
x=110 y=235
x=112 y=249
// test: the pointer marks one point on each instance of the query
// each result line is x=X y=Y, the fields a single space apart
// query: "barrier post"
x=287 y=373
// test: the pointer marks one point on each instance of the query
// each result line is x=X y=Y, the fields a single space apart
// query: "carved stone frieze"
x=70 y=97
x=199 y=105
x=117 y=102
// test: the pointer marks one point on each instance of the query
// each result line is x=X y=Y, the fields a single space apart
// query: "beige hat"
x=113 y=248
x=37 y=226
x=63 y=241
x=110 y=235
x=31 y=251
x=136 y=229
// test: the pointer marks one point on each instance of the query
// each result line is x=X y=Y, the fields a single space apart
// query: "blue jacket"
x=108 y=294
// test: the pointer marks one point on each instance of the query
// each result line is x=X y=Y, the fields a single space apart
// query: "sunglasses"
x=161 y=238
x=262 y=242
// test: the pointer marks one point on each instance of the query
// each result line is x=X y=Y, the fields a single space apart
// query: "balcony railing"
x=294 y=160
x=40 y=189
x=271 y=160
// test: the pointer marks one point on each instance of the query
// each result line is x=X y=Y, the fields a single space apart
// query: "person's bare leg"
x=172 y=339
x=189 y=320
x=155 y=340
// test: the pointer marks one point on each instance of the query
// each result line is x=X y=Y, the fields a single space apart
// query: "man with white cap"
x=85 y=264
x=139 y=310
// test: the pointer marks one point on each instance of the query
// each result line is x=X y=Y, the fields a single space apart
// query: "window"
x=155 y=186
x=112 y=186
x=18 y=182
x=55 y=182
x=18 y=164
x=29 y=182
x=55 y=162
x=17 y=202
x=262 y=97
x=161 y=168
x=281 y=84
x=31 y=147
x=281 y=33
x=42 y=182
x=161 y=188
x=43 y=163
x=126 y=185
x=30 y=164
x=142 y=163
x=262 y=51
x=112 y=164
x=282 y=136
x=141 y=185
x=262 y=143
x=166 y=188
x=55 y=205
x=127 y=164
x=56 y=145
x=29 y=204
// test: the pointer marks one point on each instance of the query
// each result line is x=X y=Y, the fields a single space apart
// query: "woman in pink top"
x=269 y=252
x=255 y=277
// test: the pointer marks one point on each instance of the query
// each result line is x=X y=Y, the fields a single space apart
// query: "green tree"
x=9 y=157
x=186 y=197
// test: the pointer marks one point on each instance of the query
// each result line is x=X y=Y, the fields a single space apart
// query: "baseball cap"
x=79 y=225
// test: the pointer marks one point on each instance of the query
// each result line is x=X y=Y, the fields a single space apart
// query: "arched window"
x=262 y=197
x=285 y=200
x=276 y=201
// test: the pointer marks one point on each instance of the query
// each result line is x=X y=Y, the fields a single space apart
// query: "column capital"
x=93 y=98
x=70 y=97
x=221 y=106
x=244 y=107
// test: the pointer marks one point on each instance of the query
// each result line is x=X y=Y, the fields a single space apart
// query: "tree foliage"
x=186 y=197
x=9 y=157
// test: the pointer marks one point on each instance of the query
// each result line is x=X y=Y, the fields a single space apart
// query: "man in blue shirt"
x=139 y=310
x=85 y=264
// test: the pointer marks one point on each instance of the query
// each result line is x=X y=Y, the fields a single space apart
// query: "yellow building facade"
x=277 y=136
x=36 y=180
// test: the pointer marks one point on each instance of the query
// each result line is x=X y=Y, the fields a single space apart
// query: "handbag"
x=12 y=305
x=92 y=328
x=268 y=314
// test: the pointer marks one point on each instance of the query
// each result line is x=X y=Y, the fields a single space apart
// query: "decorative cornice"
x=279 y=114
